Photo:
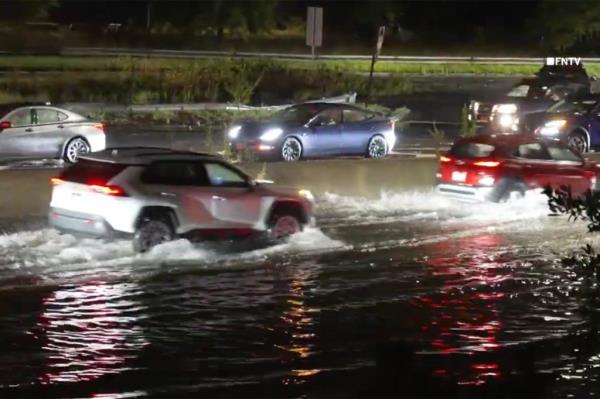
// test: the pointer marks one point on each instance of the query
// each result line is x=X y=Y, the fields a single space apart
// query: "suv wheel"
x=150 y=234
x=284 y=224
x=75 y=148
x=577 y=142
x=507 y=190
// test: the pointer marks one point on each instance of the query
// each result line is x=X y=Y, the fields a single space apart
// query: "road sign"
x=314 y=28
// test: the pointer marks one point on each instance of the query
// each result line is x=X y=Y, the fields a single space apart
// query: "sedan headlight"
x=271 y=134
x=505 y=108
x=552 y=128
x=234 y=132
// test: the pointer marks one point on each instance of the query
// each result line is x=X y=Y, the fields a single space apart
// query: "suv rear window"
x=471 y=150
x=85 y=171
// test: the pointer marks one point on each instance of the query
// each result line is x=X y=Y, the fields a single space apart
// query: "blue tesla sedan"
x=315 y=130
x=575 y=121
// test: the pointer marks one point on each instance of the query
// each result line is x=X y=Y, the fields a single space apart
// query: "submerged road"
x=397 y=293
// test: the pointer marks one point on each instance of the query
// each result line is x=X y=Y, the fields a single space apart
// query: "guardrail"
x=110 y=51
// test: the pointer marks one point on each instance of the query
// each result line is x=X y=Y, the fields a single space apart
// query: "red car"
x=496 y=167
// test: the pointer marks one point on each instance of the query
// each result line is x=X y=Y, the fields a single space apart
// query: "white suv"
x=157 y=194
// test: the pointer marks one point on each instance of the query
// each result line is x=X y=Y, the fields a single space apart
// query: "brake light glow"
x=108 y=190
x=100 y=127
x=56 y=181
x=445 y=159
x=487 y=164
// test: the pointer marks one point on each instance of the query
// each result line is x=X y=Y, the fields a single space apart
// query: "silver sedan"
x=37 y=132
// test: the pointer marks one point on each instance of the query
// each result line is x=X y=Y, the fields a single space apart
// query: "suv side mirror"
x=5 y=125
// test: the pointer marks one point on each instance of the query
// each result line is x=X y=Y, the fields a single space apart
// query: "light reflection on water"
x=90 y=331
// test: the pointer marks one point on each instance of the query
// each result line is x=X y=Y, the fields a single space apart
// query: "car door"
x=234 y=202
x=356 y=131
x=183 y=186
x=49 y=132
x=593 y=126
x=568 y=168
x=15 y=141
x=537 y=169
x=325 y=136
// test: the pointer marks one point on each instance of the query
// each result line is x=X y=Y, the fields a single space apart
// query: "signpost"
x=314 y=28
x=378 y=45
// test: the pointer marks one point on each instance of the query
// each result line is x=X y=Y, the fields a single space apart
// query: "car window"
x=355 y=115
x=220 y=175
x=47 y=115
x=532 y=151
x=175 y=173
x=471 y=150
x=86 y=171
x=20 y=117
x=299 y=114
x=575 y=106
x=562 y=153
x=329 y=117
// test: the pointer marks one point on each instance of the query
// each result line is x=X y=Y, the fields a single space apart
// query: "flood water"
x=398 y=294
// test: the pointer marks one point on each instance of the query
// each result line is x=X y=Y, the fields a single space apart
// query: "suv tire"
x=284 y=222
x=150 y=233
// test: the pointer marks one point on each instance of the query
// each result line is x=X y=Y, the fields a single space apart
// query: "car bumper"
x=257 y=149
x=465 y=193
x=81 y=224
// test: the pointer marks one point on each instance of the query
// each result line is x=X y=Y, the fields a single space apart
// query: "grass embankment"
x=129 y=80
x=74 y=64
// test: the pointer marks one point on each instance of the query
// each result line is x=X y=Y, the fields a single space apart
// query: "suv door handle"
x=165 y=194
x=29 y=129
x=60 y=126
x=216 y=197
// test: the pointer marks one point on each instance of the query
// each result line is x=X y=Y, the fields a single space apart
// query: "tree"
x=25 y=10
x=563 y=24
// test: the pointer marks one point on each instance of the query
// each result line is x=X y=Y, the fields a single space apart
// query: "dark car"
x=575 y=121
x=313 y=130
x=499 y=166
x=533 y=95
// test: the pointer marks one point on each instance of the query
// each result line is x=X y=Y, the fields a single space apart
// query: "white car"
x=155 y=195
x=43 y=131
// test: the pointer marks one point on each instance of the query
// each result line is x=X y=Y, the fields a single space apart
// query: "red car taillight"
x=56 y=181
x=444 y=158
x=487 y=164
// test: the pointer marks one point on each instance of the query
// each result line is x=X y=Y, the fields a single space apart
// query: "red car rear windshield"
x=471 y=150
x=85 y=171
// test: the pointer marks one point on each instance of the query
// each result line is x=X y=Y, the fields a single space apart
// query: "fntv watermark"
x=563 y=61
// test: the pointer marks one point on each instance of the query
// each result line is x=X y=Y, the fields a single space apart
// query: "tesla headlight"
x=552 y=128
x=475 y=106
x=234 y=132
x=505 y=108
x=271 y=134
x=306 y=194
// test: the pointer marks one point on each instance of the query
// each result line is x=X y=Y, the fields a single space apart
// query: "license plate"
x=459 y=176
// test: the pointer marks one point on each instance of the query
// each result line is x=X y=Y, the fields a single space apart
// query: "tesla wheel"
x=577 y=142
x=377 y=147
x=283 y=223
x=508 y=190
x=291 y=150
x=150 y=234
x=75 y=148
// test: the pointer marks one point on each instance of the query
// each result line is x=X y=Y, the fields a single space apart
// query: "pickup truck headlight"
x=552 y=128
x=306 y=194
x=505 y=108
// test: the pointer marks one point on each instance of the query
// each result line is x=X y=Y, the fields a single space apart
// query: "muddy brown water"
x=397 y=293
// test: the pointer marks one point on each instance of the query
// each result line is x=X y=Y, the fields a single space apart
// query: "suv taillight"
x=487 y=164
x=103 y=188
